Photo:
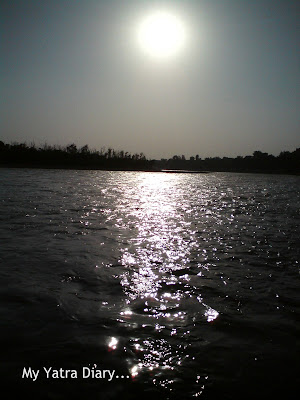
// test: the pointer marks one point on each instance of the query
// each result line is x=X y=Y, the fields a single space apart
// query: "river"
x=179 y=286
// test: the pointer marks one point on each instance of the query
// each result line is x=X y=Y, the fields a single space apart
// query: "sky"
x=72 y=71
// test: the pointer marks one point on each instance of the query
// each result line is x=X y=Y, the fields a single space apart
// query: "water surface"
x=185 y=284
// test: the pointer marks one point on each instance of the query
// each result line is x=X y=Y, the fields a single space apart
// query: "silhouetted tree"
x=72 y=149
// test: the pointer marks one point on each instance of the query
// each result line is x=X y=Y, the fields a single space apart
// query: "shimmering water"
x=184 y=284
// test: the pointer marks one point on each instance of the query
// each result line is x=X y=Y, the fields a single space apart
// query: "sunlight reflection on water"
x=156 y=279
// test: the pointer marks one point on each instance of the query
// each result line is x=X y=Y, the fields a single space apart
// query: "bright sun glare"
x=161 y=35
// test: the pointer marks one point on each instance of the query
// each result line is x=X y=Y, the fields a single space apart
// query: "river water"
x=182 y=285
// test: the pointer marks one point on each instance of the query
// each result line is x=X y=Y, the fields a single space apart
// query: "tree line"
x=285 y=162
x=71 y=156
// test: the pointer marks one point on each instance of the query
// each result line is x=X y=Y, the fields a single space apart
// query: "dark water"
x=185 y=285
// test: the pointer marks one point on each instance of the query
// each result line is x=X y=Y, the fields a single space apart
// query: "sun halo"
x=161 y=35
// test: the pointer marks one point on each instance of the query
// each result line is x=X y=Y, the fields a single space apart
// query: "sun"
x=161 y=35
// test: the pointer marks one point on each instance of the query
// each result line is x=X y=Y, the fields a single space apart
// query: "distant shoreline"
x=21 y=155
x=81 y=168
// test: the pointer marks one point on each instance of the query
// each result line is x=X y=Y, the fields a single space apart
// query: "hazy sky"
x=72 y=71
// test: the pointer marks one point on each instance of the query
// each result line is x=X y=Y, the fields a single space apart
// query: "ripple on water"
x=185 y=282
